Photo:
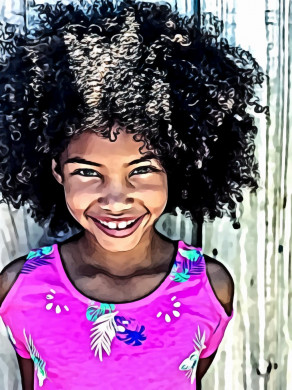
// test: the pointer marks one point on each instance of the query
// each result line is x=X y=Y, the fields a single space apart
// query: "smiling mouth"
x=118 y=229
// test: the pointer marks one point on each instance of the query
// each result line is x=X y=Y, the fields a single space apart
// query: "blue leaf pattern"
x=192 y=262
x=36 y=259
x=194 y=267
x=130 y=337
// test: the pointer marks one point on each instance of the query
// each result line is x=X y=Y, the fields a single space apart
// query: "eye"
x=86 y=172
x=143 y=170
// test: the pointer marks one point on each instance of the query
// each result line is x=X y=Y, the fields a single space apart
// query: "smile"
x=118 y=229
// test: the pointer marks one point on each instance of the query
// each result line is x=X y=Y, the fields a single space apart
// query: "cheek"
x=155 y=195
x=79 y=197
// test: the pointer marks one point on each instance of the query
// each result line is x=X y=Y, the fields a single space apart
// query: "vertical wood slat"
x=270 y=347
x=260 y=334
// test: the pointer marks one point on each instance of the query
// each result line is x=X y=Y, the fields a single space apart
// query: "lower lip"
x=119 y=233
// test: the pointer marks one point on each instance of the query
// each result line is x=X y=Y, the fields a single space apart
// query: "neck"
x=152 y=254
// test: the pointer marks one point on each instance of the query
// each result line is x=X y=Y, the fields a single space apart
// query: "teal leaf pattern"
x=44 y=251
x=36 y=259
x=181 y=277
x=191 y=255
x=93 y=312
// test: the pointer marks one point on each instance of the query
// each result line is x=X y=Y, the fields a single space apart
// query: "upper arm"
x=8 y=277
x=221 y=282
x=26 y=367
x=203 y=366
x=223 y=286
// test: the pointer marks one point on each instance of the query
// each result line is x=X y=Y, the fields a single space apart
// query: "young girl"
x=110 y=118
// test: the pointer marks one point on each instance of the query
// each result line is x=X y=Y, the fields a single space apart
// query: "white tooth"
x=112 y=225
x=128 y=223
x=122 y=225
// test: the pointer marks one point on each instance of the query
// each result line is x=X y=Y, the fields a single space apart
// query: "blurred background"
x=256 y=352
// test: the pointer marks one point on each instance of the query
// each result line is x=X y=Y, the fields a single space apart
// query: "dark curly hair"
x=181 y=89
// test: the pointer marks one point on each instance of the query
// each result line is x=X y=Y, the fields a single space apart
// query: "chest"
x=104 y=288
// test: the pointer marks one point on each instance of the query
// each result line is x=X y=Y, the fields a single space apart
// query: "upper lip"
x=116 y=219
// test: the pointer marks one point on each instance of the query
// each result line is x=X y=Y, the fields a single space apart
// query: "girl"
x=110 y=118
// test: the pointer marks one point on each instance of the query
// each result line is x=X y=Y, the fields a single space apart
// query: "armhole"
x=14 y=335
x=213 y=297
x=13 y=290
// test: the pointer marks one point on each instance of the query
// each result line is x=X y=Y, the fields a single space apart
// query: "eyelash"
x=152 y=169
x=96 y=174
x=79 y=172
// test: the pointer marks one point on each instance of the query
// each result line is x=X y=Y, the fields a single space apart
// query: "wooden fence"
x=256 y=353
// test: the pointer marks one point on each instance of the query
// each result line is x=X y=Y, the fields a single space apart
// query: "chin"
x=120 y=244
x=117 y=244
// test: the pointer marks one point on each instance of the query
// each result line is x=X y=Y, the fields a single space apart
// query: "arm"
x=202 y=368
x=27 y=372
x=7 y=278
x=223 y=286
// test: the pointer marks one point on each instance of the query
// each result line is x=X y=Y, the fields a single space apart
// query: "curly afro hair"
x=181 y=89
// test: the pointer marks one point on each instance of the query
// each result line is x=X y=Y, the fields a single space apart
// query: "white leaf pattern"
x=38 y=362
x=10 y=335
x=190 y=364
x=103 y=331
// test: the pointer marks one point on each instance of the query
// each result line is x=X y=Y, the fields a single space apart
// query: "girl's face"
x=113 y=191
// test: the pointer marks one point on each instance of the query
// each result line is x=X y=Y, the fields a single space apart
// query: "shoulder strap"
x=190 y=260
x=37 y=258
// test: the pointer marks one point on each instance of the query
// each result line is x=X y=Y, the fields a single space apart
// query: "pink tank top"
x=78 y=343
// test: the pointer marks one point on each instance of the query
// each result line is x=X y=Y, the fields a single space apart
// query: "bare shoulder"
x=221 y=282
x=9 y=275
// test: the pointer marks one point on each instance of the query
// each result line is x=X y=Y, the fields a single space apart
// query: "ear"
x=56 y=173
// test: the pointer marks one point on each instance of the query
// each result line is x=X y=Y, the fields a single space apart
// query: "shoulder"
x=9 y=275
x=221 y=282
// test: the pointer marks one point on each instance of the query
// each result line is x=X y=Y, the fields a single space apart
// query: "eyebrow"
x=147 y=156
x=81 y=161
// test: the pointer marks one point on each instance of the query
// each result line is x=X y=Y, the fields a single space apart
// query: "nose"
x=115 y=195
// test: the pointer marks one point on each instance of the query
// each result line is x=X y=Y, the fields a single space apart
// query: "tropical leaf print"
x=190 y=364
x=181 y=277
x=10 y=336
x=191 y=255
x=44 y=251
x=36 y=259
x=193 y=261
x=38 y=362
x=174 y=270
x=93 y=312
x=134 y=337
x=127 y=335
x=103 y=331
x=31 y=265
x=194 y=267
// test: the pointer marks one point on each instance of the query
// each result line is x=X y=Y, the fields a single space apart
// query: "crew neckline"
x=132 y=304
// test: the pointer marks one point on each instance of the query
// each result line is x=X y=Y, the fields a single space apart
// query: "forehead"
x=93 y=146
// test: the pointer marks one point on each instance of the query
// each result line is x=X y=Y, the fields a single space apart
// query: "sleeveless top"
x=78 y=343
